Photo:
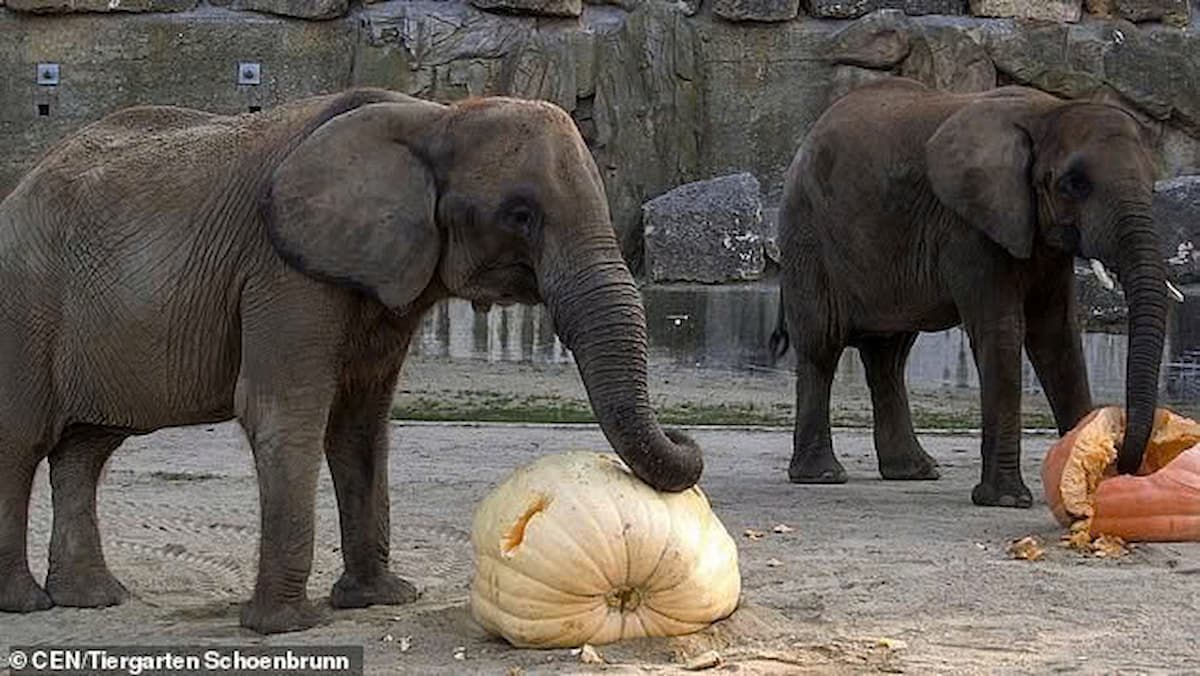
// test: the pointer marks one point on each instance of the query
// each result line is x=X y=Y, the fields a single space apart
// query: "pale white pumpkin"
x=574 y=549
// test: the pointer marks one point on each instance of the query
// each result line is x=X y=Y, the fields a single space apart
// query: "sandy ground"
x=914 y=563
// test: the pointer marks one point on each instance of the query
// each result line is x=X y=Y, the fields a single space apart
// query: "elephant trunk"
x=1143 y=275
x=598 y=314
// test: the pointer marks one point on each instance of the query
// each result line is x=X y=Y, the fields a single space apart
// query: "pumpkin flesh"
x=1161 y=502
x=574 y=549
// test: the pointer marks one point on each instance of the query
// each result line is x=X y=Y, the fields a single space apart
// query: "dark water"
x=728 y=328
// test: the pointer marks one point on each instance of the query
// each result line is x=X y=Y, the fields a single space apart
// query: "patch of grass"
x=696 y=414
x=498 y=407
x=487 y=406
x=970 y=418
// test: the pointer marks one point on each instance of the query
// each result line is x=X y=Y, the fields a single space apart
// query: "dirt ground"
x=876 y=576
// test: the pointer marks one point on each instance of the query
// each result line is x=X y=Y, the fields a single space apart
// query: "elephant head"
x=1032 y=170
x=496 y=200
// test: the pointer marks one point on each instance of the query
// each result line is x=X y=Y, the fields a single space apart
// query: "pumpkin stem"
x=625 y=599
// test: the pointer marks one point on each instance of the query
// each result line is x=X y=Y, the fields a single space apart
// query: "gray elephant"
x=166 y=267
x=908 y=209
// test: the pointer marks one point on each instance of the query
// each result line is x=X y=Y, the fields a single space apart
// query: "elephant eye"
x=1075 y=185
x=520 y=217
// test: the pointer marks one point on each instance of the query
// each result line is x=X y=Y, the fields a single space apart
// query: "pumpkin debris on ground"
x=589 y=655
x=1081 y=540
x=1028 y=548
x=1160 y=502
x=783 y=528
x=707 y=660
x=754 y=534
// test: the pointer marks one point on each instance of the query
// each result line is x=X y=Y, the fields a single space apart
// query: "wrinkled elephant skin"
x=908 y=209
x=166 y=267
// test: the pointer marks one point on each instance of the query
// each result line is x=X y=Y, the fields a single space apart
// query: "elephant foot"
x=92 y=589
x=916 y=465
x=277 y=618
x=385 y=589
x=823 y=469
x=1006 y=492
x=21 y=594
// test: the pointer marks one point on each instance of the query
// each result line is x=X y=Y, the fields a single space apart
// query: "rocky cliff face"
x=664 y=92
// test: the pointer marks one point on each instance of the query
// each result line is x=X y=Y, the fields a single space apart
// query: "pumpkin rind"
x=574 y=549
x=1161 y=502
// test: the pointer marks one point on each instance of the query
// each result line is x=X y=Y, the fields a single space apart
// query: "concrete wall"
x=664 y=92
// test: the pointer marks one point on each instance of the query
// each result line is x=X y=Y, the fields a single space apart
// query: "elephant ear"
x=353 y=204
x=978 y=163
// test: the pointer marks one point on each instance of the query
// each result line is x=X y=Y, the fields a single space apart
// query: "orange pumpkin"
x=1161 y=502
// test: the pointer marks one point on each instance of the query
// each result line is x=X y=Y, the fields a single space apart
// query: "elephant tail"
x=780 y=340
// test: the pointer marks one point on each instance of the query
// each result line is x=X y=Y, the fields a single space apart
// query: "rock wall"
x=664 y=92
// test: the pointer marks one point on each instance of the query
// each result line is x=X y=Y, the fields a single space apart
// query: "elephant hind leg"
x=78 y=574
x=813 y=461
x=899 y=453
x=283 y=399
x=19 y=592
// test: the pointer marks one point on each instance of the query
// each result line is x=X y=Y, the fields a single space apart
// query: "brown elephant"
x=167 y=267
x=908 y=209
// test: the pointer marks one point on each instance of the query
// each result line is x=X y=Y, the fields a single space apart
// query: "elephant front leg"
x=78 y=575
x=1055 y=348
x=286 y=439
x=996 y=343
x=356 y=448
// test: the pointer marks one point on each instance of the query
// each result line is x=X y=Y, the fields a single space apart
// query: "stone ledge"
x=757 y=10
x=552 y=8
x=1173 y=12
x=852 y=9
x=104 y=6
x=1068 y=11
x=299 y=9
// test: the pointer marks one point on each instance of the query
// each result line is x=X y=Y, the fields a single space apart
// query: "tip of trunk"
x=681 y=466
x=1133 y=447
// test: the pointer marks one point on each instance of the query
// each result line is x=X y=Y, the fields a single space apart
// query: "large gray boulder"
x=1044 y=10
x=757 y=10
x=709 y=231
x=1177 y=215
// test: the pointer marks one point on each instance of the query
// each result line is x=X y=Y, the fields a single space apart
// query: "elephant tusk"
x=1174 y=292
x=1101 y=274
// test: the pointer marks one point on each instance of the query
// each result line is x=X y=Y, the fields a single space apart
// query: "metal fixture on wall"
x=47 y=74
x=249 y=73
x=45 y=88
x=249 y=79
